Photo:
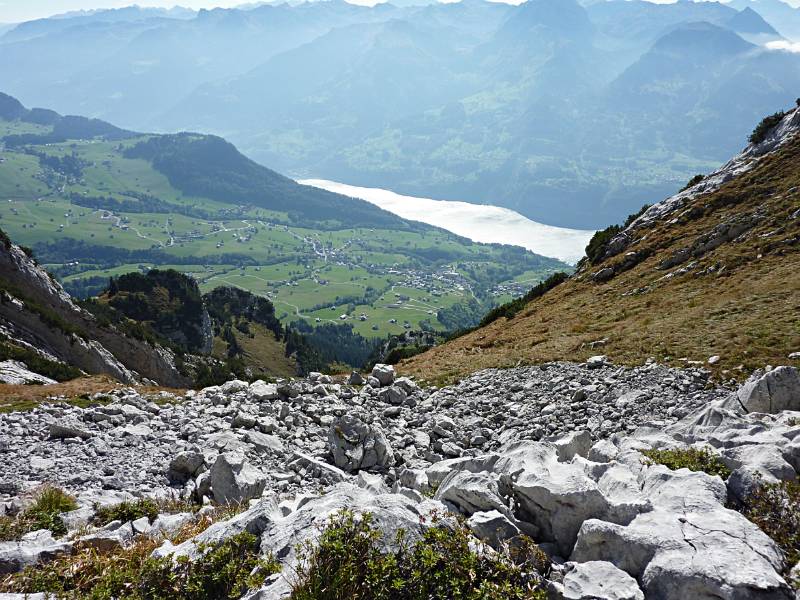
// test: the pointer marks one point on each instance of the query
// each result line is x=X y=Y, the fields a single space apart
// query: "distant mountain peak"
x=702 y=36
x=749 y=21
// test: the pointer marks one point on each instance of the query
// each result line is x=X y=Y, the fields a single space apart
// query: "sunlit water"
x=478 y=222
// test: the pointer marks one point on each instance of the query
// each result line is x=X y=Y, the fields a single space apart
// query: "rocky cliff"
x=38 y=315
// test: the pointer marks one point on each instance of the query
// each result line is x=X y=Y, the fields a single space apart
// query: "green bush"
x=693 y=459
x=596 y=248
x=42 y=514
x=349 y=562
x=693 y=181
x=775 y=508
x=127 y=511
x=226 y=570
x=765 y=126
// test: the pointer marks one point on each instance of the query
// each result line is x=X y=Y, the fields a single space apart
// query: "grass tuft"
x=44 y=513
x=693 y=459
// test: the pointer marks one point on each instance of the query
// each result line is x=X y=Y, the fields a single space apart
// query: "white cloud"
x=784 y=45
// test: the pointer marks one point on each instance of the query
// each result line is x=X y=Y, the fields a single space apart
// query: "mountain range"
x=568 y=113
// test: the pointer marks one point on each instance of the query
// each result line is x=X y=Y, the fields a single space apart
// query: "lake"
x=478 y=222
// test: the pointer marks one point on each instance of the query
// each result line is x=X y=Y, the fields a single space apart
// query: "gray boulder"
x=711 y=553
x=34 y=548
x=233 y=480
x=472 y=492
x=254 y=521
x=384 y=374
x=185 y=466
x=356 y=379
x=492 y=527
x=772 y=392
x=356 y=445
x=263 y=391
x=598 y=580
x=66 y=429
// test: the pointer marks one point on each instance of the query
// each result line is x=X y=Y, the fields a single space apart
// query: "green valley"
x=94 y=201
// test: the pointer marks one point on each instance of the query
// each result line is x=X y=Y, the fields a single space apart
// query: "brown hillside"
x=740 y=301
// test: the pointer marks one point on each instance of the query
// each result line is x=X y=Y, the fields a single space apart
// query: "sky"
x=14 y=11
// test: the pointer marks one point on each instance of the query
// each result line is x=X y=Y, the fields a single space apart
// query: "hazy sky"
x=12 y=11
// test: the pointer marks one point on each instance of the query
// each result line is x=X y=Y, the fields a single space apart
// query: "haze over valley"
x=412 y=300
x=572 y=115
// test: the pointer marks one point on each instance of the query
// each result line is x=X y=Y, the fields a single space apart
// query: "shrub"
x=693 y=181
x=42 y=514
x=596 y=248
x=693 y=459
x=349 y=562
x=226 y=570
x=765 y=126
x=775 y=508
x=127 y=511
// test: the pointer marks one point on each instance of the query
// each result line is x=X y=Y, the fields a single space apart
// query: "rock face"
x=553 y=452
x=86 y=344
x=14 y=372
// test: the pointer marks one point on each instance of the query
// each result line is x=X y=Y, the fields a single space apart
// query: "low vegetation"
x=350 y=562
x=766 y=125
x=127 y=511
x=693 y=181
x=226 y=570
x=694 y=459
x=596 y=249
x=43 y=513
x=775 y=508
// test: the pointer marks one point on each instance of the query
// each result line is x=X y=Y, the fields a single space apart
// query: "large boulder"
x=389 y=513
x=557 y=497
x=185 y=466
x=384 y=374
x=254 y=521
x=263 y=391
x=772 y=392
x=493 y=527
x=598 y=580
x=674 y=556
x=233 y=480
x=60 y=430
x=472 y=492
x=34 y=548
x=356 y=445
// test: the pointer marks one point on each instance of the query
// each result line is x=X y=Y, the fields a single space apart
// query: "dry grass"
x=747 y=312
x=76 y=392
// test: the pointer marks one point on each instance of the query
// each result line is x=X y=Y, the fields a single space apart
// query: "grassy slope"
x=34 y=211
x=263 y=353
x=748 y=313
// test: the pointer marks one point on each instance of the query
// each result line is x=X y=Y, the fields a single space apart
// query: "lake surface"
x=478 y=222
